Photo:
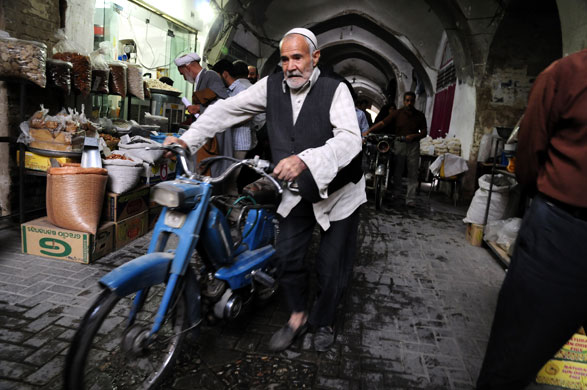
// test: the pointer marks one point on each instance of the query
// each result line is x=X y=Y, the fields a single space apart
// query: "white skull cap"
x=187 y=59
x=305 y=32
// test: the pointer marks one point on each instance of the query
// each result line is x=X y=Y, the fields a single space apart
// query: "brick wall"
x=36 y=20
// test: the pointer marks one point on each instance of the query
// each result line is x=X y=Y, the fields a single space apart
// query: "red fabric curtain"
x=442 y=112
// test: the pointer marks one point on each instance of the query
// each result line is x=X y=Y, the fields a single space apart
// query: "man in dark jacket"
x=542 y=299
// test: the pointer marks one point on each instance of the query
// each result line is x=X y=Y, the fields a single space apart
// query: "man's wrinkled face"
x=409 y=101
x=187 y=75
x=296 y=62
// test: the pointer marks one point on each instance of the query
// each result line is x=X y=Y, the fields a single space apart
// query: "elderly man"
x=315 y=140
x=208 y=85
x=253 y=74
x=208 y=89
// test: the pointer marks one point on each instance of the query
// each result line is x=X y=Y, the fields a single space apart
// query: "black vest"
x=311 y=130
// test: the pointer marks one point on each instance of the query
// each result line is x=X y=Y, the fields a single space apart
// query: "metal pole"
x=22 y=151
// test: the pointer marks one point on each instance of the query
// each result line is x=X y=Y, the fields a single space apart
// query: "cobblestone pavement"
x=417 y=315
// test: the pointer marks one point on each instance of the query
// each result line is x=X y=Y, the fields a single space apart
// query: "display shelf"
x=54 y=153
x=501 y=255
x=506 y=172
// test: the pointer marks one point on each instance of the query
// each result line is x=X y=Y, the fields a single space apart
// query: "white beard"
x=298 y=82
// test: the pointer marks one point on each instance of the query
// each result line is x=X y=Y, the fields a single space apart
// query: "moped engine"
x=229 y=306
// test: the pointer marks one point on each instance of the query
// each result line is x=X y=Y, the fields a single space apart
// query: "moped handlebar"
x=262 y=167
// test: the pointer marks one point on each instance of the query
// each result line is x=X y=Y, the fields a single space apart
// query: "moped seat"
x=263 y=191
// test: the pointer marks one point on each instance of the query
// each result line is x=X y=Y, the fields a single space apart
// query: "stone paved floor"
x=417 y=315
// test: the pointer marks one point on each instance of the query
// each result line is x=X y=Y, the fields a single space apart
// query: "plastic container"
x=161 y=137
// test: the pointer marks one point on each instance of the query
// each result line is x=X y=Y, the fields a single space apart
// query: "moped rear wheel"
x=107 y=353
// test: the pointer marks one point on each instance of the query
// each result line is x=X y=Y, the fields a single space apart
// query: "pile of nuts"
x=156 y=84
x=24 y=59
x=114 y=156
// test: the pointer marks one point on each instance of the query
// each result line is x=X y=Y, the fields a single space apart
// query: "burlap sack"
x=75 y=197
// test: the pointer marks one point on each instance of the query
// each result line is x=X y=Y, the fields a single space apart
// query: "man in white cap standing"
x=315 y=140
x=208 y=88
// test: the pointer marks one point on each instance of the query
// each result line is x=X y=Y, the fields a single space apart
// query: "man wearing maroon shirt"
x=542 y=299
x=409 y=126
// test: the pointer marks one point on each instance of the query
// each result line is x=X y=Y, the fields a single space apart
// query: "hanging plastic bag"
x=59 y=73
x=65 y=50
x=117 y=83
x=100 y=68
x=23 y=59
x=135 y=81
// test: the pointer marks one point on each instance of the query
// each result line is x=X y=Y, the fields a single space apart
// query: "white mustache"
x=294 y=73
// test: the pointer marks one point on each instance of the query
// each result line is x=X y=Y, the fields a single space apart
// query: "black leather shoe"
x=285 y=336
x=323 y=338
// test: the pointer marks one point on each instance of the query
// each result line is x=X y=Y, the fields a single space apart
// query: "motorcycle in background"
x=132 y=334
x=378 y=153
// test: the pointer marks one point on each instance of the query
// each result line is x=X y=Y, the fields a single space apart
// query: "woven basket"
x=75 y=197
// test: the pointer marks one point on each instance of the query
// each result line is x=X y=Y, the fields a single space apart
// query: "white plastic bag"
x=499 y=199
x=136 y=147
x=503 y=232
x=123 y=175
x=484 y=148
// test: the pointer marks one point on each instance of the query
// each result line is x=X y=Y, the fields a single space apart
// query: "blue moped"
x=132 y=334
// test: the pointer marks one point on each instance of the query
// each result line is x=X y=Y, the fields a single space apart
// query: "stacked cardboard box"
x=41 y=163
x=129 y=212
x=41 y=238
x=163 y=170
x=474 y=234
x=569 y=366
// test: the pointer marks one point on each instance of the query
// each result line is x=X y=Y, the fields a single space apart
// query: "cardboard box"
x=575 y=349
x=153 y=216
x=130 y=229
x=121 y=206
x=474 y=234
x=572 y=375
x=41 y=163
x=163 y=170
x=41 y=238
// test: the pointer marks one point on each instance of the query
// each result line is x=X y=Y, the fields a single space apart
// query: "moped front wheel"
x=379 y=192
x=109 y=353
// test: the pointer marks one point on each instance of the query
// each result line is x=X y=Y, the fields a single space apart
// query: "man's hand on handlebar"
x=174 y=140
x=194 y=109
x=289 y=168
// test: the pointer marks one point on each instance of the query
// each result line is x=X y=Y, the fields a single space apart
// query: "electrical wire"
x=152 y=67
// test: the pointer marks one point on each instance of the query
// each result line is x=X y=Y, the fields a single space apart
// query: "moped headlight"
x=383 y=146
x=171 y=195
x=167 y=197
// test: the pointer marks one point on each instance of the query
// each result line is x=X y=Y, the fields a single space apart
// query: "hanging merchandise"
x=135 y=81
x=65 y=50
x=59 y=73
x=100 y=68
x=118 y=82
x=23 y=59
